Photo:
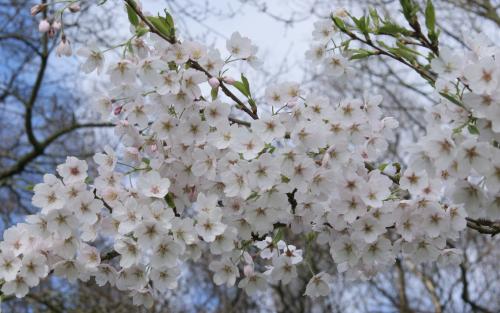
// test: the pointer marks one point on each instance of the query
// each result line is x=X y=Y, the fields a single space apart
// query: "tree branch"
x=465 y=291
x=27 y=158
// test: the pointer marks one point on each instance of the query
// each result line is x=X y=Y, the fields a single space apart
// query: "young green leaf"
x=214 y=92
x=161 y=25
x=132 y=16
x=392 y=29
x=245 y=82
x=169 y=198
x=339 y=23
x=278 y=235
x=361 y=54
x=473 y=129
x=430 y=16
x=242 y=88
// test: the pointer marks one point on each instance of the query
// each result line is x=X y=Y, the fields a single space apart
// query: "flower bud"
x=214 y=82
x=43 y=26
x=117 y=110
x=64 y=47
x=229 y=80
x=75 y=7
x=56 y=25
x=37 y=9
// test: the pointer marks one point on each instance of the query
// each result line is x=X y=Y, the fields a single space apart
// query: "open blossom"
x=318 y=285
x=253 y=283
x=17 y=286
x=165 y=278
x=323 y=30
x=9 y=266
x=225 y=272
x=73 y=170
x=484 y=76
x=336 y=65
x=122 y=72
x=208 y=226
x=153 y=185
x=448 y=64
x=238 y=46
x=94 y=59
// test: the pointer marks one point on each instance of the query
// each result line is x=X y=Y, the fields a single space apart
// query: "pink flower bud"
x=37 y=9
x=117 y=110
x=43 y=26
x=154 y=147
x=56 y=25
x=75 y=7
x=214 y=82
x=229 y=80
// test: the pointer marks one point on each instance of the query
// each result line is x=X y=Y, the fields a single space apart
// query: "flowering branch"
x=191 y=63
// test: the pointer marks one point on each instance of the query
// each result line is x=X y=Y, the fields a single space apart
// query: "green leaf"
x=170 y=21
x=430 y=16
x=382 y=166
x=452 y=99
x=172 y=66
x=362 y=23
x=430 y=23
x=374 y=16
x=170 y=200
x=473 y=129
x=278 y=235
x=129 y=47
x=132 y=16
x=245 y=82
x=284 y=179
x=392 y=29
x=141 y=31
x=339 y=23
x=214 y=92
x=404 y=53
x=242 y=88
x=361 y=54
x=410 y=9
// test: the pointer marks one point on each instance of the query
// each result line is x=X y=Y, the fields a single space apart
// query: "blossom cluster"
x=460 y=153
x=199 y=178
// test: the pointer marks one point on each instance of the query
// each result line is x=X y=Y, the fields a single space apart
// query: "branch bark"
x=27 y=158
